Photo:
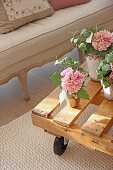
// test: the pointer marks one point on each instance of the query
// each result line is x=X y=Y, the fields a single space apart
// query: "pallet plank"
x=48 y=105
x=67 y=116
x=97 y=100
x=96 y=124
x=101 y=121
x=106 y=108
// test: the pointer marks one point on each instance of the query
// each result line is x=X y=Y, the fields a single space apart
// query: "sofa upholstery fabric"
x=16 y=13
x=40 y=41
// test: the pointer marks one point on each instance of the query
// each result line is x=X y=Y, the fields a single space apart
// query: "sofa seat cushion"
x=39 y=36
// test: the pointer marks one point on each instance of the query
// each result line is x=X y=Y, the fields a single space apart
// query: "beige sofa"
x=39 y=42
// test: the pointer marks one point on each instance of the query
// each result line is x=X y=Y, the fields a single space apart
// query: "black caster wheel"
x=60 y=144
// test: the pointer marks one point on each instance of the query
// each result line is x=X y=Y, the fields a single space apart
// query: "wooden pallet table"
x=92 y=134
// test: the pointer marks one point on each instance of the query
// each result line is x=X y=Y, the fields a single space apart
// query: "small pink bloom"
x=68 y=70
x=72 y=80
x=111 y=75
x=102 y=40
x=111 y=66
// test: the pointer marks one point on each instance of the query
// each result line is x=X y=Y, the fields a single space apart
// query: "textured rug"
x=26 y=147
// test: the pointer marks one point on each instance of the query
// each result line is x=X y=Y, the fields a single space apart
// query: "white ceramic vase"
x=92 y=63
x=108 y=92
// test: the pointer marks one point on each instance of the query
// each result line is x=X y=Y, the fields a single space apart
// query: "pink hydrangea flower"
x=112 y=66
x=102 y=40
x=111 y=75
x=68 y=70
x=72 y=80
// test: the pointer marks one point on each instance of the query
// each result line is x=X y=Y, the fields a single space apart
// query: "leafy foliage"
x=56 y=79
x=67 y=62
x=83 y=41
x=82 y=93
x=104 y=70
x=109 y=57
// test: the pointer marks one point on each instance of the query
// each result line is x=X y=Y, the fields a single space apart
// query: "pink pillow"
x=59 y=4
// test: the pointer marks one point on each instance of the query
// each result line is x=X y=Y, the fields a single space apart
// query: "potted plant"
x=70 y=79
x=95 y=44
x=105 y=74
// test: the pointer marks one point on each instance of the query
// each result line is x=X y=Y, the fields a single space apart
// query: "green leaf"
x=62 y=97
x=69 y=60
x=106 y=82
x=60 y=62
x=82 y=47
x=106 y=69
x=75 y=40
x=75 y=33
x=56 y=62
x=109 y=57
x=89 y=39
x=83 y=69
x=72 y=40
x=101 y=65
x=96 y=28
x=82 y=93
x=83 y=31
x=103 y=71
x=56 y=79
x=100 y=75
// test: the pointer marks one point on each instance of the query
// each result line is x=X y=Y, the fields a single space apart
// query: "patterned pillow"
x=16 y=13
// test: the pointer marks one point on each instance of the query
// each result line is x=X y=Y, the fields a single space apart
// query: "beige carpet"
x=25 y=147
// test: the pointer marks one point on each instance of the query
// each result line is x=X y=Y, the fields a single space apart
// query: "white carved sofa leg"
x=23 y=82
